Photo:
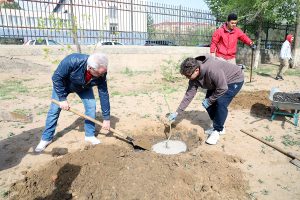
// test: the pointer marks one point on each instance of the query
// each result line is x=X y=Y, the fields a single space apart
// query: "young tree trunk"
x=74 y=29
x=297 y=38
x=258 y=43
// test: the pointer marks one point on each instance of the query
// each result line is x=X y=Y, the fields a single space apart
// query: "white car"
x=41 y=42
x=109 y=43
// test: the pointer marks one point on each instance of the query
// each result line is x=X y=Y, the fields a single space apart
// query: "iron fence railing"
x=131 y=22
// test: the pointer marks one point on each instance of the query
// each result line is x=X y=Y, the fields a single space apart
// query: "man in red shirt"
x=224 y=40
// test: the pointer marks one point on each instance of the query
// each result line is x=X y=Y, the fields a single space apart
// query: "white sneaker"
x=92 y=140
x=42 y=146
x=213 y=137
x=210 y=130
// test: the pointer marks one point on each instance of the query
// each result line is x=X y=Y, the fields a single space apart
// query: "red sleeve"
x=244 y=38
x=214 y=41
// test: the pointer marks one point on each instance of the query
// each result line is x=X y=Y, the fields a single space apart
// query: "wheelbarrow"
x=279 y=108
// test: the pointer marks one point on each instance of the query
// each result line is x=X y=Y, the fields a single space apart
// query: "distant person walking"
x=224 y=40
x=285 y=56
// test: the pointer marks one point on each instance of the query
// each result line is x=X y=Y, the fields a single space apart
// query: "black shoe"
x=281 y=77
x=276 y=78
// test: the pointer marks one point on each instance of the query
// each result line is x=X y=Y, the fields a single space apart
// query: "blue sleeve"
x=104 y=98
x=61 y=73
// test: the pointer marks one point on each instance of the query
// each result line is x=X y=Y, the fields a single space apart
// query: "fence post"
x=131 y=16
x=74 y=28
x=179 y=29
x=267 y=36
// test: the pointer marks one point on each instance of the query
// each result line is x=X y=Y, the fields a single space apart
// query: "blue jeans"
x=89 y=102
x=218 y=111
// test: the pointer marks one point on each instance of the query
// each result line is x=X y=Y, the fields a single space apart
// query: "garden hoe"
x=295 y=161
x=118 y=134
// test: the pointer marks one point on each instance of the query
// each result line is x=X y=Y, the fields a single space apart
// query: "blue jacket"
x=70 y=77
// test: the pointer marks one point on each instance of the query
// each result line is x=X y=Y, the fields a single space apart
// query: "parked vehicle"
x=203 y=45
x=15 y=41
x=42 y=42
x=103 y=43
x=159 y=43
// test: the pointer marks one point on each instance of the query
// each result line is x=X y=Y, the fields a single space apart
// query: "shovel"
x=295 y=161
x=136 y=144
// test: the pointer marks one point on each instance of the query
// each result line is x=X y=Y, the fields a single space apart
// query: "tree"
x=256 y=13
x=150 y=27
x=11 y=5
x=297 y=38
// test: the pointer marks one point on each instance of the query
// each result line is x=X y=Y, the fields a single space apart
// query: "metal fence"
x=131 y=22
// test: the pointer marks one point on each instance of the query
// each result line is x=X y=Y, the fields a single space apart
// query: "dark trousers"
x=218 y=111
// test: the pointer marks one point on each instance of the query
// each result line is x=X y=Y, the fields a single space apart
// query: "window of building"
x=113 y=12
x=113 y=28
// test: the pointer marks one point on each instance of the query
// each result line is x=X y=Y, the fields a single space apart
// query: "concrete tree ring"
x=170 y=147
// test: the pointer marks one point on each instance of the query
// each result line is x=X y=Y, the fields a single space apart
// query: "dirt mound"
x=246 y=100
x=112 y=172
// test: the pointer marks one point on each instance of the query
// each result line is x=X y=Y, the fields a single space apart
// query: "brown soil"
x=112 y=172
x=246 y=99
x=257 y=102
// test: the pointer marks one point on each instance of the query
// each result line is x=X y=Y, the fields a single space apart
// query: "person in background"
x=285 y=56
x=224 y=40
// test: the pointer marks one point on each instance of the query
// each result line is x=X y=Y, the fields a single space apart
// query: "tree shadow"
x=15 y=148
x=65 y=176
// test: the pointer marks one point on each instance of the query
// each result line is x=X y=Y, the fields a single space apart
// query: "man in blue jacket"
x=78 y=73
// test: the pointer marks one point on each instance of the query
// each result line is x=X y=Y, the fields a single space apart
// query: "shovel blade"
x=142 y=144
x=296 y=162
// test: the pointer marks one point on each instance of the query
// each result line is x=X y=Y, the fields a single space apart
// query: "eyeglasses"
x=190 y=75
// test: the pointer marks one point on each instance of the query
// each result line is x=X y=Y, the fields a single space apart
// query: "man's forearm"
x=188 y=97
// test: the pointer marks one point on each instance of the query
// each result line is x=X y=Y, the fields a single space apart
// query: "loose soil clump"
x=113 y=172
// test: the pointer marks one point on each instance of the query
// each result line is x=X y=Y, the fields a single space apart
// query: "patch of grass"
x=28 y=79
x=263 y=149
x=169 y=89
x=289 y=141
x=4 y=194
x=11 y=134
x=22 y=111
x=55 y=62
x=260 y=181
x=42 y=111
x=269 y=138
x=265 y=71
x=292 y=72
x=10 y=88
x=145 y=116
x=115 y=93
x=170 y=70
x=264 y=192
x=127 y=72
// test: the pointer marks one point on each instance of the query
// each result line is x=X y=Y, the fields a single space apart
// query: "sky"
x=198 y=4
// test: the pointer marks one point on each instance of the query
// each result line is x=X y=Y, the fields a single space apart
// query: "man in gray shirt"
x=222 y=80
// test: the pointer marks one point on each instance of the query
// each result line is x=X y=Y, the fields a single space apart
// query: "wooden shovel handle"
x=271 y=145
x=118 y=133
